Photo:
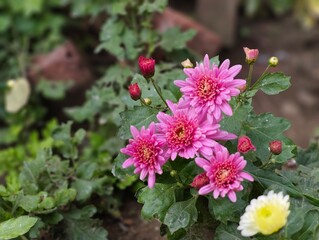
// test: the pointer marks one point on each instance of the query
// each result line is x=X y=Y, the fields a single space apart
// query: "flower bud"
x=10 y=83
x=200 y=180
x=148 y=101
x=242 y=88
x=245 y=145
x=187 y=63
x=251 y=55
x=275 y=147
x=147 y=66
x=273 y=61
x=135 y=91
x=173 y=173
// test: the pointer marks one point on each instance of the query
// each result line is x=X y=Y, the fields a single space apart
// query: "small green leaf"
x=16 y=227
x=152 y=6
x=173 y=38
x=138 y=117
x=214 y=60
x=120 y=172
x=53 y=90
x=274 y=83
x=64 y=196
x=157 y=200
x=181 y=215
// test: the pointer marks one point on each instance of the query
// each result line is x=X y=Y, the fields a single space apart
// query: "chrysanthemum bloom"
x=145 y=153
x=209 y=89
x=188 y=133
x=225 y=173
x=244 y=145
x=266 y=214
x=147 y=66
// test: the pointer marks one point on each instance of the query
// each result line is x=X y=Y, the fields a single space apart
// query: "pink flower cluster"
x=192 y=131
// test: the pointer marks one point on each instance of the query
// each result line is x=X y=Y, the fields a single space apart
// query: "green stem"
x=268 y=162
x=158 y=90
x=260 y=78
x=250 y=73
x=23 y=237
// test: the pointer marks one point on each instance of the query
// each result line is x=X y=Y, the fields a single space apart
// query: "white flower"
x=17 y=95
x=266 y=214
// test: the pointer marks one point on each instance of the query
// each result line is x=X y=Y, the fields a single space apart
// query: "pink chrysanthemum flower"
x=188 y=133
x=145 y=153
x=224 y=172
x=209 y=89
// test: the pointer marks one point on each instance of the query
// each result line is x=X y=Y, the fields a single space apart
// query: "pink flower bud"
x=275 y=147
x=135 y=91
x=251 y=55
x=147 y=66
x=245 y=145
x=200 y=180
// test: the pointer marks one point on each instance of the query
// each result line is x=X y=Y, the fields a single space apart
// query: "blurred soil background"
x=221 y=30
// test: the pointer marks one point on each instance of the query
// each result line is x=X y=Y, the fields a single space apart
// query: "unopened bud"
x=187 y=63
x=173 y=173
x=147 y=66
x=251 y=55
x=148 y=101
x=135 y=91
x=273 y=61
x=200 y=181
x=275 y=147
x=242 y=88
x=244 y=145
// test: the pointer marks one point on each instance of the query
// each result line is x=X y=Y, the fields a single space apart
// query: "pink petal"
x=151 y=179
x=206 y=189
x=232 y=196
x=201 y=162
x=128 y=162
x=134 y=131
x=246 y=176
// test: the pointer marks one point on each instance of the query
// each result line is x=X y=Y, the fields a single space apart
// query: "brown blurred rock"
x=62 y=64
x=220 y=16
x=205 y=40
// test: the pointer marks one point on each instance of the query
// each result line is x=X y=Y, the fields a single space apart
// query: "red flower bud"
x=245 y=145
x=275 y=147
x=135 y=91
x=200 y=180
x=147 y=66
x=251 y=55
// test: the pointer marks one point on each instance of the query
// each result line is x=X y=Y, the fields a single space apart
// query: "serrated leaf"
x=308 y=230
x=157 y=200
x=263 y=129
x=85 y=188
x=234 y=123
x=16 y=227
x=310 y=156
x=53 y=90
x=173 y=38
x=117 y=169
x=274 y=83
x=227 y=232
x=152 y=6
x=138 y=117
x=181 y=215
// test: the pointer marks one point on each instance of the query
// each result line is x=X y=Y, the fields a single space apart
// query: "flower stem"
x=260 y=78
x=158 y=90
x=250 y=73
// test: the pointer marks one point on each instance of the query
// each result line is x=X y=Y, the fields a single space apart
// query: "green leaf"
x=85 y=188
x=274 y=83
x=310 y=156
x=64 y=196
x=80 y=226
x=263 y=129
x=227 y=232
x=234 y=124
x=157 y=200
x=53 y=90
x=268 y=178
x=181 y=215
x=16 y=227
x=310 y=228
x=214 y=60
x=173 y=38
x=138 y=117
x=149 y=6
x=29 y=202
x=224 y=210
x=117 y=169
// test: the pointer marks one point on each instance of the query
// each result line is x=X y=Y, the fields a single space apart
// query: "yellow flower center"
x=270 y=218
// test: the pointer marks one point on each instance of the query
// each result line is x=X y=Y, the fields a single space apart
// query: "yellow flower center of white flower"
x=270 y=218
